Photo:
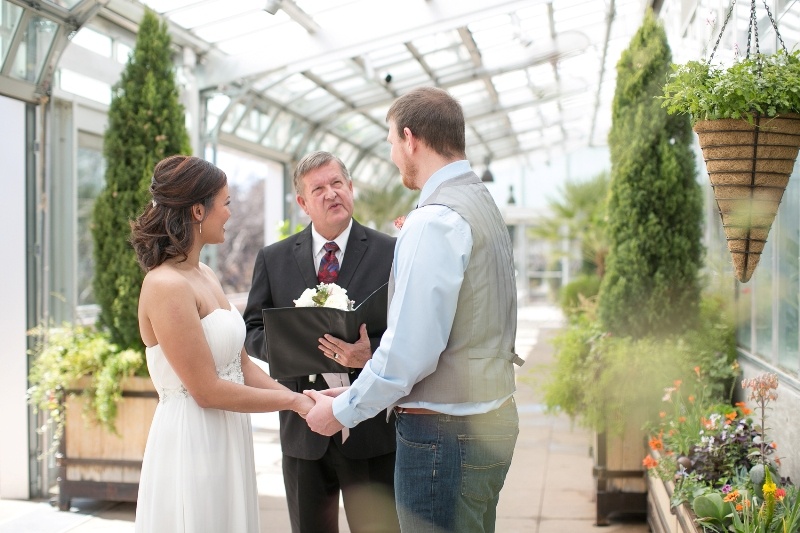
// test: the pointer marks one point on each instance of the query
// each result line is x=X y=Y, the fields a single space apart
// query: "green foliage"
x=379 y=207
x=654 y=215
x=574 y=293
x=145 y=124
x=285 y=229
x=578 y=213
x=61 y=356
x=765 y=84
x=590 y=365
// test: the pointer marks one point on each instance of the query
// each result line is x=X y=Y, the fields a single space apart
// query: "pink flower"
x=398 y=222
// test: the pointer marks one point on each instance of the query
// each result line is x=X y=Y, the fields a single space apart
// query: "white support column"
x=14 y=448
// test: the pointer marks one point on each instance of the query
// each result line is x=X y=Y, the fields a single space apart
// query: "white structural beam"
x=405 y=21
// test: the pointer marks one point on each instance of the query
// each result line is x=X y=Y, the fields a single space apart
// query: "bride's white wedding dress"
x=198 y=473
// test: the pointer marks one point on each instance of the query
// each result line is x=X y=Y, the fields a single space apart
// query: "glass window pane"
x=91 y=179
x=94 y=41
x=788 y=276
x=33 y=49
x=744 y=299
x=9 y=19
x=245 y=229
x=762 y=281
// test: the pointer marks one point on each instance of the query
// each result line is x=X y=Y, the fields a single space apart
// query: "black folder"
x=291 y=333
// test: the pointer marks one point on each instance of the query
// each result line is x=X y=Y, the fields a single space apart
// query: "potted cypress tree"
x=101 y=369
x=646 y=328
x=747 y=118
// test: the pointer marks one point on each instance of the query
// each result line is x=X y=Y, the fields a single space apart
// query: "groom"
x=333 y=248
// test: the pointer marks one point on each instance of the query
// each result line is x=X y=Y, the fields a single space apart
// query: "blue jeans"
x=449 y=469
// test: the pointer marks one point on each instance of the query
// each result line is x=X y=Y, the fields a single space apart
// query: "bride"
x=198 y=472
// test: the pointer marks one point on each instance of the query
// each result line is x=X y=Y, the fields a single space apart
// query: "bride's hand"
x=303 y=404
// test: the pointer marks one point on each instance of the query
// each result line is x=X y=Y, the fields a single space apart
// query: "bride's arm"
x=168 y=303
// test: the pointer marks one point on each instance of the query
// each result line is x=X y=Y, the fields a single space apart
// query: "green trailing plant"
x=62 y=356
x=764 y=84
x=654 y=217
x=145 y=124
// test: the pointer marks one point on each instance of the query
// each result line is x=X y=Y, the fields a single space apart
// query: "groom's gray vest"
x=476 y=365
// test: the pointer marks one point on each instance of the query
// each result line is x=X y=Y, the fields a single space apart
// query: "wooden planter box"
x=94 y=463
x=620 y=477
x=661 y=517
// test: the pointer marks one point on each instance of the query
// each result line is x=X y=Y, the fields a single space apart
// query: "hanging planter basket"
x=749 y=167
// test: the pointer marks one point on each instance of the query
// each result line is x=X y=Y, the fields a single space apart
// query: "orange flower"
x=739 y=507
x=682 y=419
x=697 y=371
x=656 y=444
x=731 y=416
x=732 y=496
x=677 y=384
x=691 y=398
x=780 y=494
x=649 y=462
x=743 y=407
x=774 y=445
x=662 y=414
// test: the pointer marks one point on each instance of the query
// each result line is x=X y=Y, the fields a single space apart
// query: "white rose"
x=305 y=299
x=338 y=299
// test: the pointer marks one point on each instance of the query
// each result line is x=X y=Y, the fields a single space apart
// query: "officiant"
x=333 y=248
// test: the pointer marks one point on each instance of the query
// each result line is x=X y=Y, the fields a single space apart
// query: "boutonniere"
x=325 y=295
x=398 y=222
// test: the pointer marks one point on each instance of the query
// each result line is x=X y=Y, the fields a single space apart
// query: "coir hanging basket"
x=749 y=167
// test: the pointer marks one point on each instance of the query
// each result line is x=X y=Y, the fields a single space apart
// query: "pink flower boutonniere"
x=398 y=222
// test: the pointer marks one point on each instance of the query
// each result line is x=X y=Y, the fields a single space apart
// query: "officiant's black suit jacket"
x=282 y=271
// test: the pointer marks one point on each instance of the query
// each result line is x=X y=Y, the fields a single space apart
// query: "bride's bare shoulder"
x=165 y=280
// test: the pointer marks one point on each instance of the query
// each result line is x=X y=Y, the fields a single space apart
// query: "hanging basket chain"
x=721 y=31
x=752 y=30
x=775 y=27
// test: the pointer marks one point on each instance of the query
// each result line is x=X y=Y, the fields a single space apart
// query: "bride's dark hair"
x=164 y=229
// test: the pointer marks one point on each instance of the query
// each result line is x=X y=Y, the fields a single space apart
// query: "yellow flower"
x=769 y=488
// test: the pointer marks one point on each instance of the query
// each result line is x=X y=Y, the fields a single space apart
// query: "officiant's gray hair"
x=313 y=161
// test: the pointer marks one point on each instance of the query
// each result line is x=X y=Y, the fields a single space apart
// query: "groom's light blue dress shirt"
x=432 y=252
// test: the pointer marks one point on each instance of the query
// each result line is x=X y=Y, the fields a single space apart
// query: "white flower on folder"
x=325 y=295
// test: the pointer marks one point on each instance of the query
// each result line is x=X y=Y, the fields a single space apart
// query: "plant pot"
x=620 y=478
x=749 y=167
x=94 y=463
x=661 y=516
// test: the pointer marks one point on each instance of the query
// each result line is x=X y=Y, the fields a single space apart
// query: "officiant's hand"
x=353 y=355
x=320 y=419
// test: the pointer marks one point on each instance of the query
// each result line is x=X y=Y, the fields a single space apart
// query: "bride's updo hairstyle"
x=165 y=229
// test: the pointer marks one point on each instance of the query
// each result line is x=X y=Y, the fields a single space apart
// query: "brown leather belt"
x=422 y=411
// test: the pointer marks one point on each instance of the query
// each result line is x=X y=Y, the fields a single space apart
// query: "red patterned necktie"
x=329 y=266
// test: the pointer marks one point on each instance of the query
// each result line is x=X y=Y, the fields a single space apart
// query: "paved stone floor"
x=549 y=487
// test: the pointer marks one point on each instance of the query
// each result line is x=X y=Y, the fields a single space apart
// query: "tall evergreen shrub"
x=655 y=205
x=145 y=124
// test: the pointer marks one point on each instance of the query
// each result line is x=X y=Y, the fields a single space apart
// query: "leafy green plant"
x=573 y=294
x=62 y=356
x=726 y=473
x=764 y=84
x=590 y=364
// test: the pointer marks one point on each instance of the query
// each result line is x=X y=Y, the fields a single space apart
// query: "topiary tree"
x=654 y=216
x=145 y=124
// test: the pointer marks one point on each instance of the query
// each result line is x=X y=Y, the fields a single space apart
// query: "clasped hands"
x=320 y=416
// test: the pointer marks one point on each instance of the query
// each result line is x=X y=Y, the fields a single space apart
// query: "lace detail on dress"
x=233 y=371
x=165 y=394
